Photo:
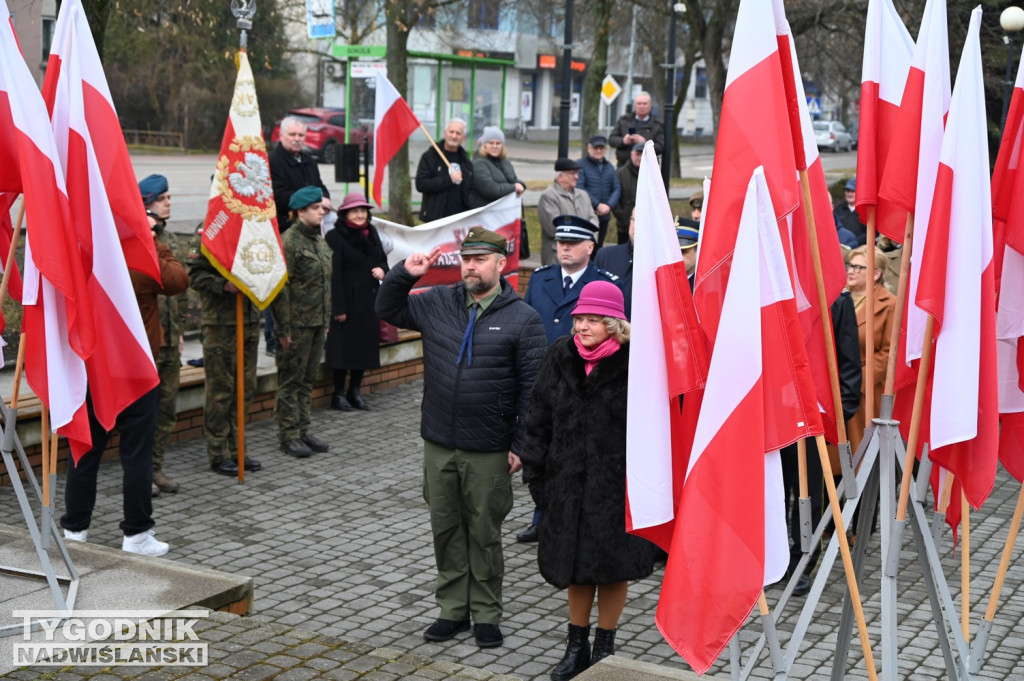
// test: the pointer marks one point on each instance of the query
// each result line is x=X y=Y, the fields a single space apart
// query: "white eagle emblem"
x=253 y=178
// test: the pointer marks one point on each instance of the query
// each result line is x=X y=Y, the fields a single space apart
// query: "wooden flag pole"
x=436 y=148
x=844 y=549
x=9 y=263
x=1004 y=562
x=17 y=371
x=826 y=465
x=915 y=419
x=240 y=383
x=965 y=566
x=804 y=503
x=897 y=313
x=44 y=426
x=869 y=319
x=54 y=440
x=819 y=282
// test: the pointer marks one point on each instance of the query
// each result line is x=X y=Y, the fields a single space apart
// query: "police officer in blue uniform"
x=554 y=289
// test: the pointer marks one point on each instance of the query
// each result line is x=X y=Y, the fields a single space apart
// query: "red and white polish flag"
x=754 y=130
x=1008 y=239
x=122 y=368
x=730 y=539
x=913 y=161
x=393 y=122
x=957 y=287
x=888 y=51
x=833 y=269
x=112 y=159
x=57 y=321
x=668 y=359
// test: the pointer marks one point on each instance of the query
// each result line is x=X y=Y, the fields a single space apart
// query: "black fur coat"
x=576 y=443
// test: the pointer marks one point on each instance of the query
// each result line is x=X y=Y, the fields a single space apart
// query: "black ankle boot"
x=339 y=402
x=577 y=654
x=604 y=644
x=355 y=400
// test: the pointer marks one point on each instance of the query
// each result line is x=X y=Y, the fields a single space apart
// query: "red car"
x=325 y=128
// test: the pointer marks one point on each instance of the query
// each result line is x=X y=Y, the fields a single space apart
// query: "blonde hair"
x=880 y=259
x=617 y=328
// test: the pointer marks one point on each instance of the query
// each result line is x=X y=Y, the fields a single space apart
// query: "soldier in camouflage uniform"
x=301 y=313
x=220 y=416
x=173 y=309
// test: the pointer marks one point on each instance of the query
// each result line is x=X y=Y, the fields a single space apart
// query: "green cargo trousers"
x=220 y=412
x=168 y=366
x=469 y=495
x=297 y=369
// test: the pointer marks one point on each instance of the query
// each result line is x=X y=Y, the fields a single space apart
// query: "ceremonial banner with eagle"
x=240 y=235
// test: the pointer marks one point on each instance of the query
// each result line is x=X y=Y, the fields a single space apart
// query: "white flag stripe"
x=750 y=44
x=931 y=55
x=1011 y=398
x=887 y=45
x=648 y=428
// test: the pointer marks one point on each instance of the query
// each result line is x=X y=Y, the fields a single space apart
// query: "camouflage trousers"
x=220 y=415
x=168 y=366
x=297 y=369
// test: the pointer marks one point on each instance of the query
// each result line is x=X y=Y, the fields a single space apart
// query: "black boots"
x=355 y=399
x=604 y=645
x=577 y=654
x=339 y=402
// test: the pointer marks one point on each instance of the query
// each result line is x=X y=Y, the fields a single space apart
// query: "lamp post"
x=1012 y=21
x=670 y=95
x=563 y=111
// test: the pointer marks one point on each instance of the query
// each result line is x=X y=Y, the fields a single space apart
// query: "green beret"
x=305 y=197
x=480 y=241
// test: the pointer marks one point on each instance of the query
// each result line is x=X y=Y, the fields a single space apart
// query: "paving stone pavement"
x=339 y=549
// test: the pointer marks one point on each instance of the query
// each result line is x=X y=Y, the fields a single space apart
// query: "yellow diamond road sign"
x=609 y=90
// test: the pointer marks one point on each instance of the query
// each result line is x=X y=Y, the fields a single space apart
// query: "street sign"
x=368 y=69
x=610 y=89
x=352 y=51
x=814 y=106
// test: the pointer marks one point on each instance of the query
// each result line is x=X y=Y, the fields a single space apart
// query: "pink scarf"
x=591 y=356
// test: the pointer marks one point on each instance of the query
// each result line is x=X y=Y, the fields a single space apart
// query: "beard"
x=477 y=285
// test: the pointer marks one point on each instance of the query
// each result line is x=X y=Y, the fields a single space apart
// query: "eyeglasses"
x=856 y=269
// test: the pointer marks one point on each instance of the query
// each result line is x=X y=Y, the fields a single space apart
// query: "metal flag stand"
x=40 y=534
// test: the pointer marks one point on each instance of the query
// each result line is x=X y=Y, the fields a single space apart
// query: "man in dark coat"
x=599 y=179
x=628 y=174
x=844 y=326
x=845 y=213
x=481 y=348
x=637 y=128
x=618 y=260
x=447 y=188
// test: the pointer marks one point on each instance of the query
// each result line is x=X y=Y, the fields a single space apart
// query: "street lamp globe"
x=1012 y=19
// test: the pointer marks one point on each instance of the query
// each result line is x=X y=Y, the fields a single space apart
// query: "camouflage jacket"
x=305 y=300
x=173 y=309
x=218 y=306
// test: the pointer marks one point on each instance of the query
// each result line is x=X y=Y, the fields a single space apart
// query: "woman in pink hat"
x=576 y=444
x=353 y=337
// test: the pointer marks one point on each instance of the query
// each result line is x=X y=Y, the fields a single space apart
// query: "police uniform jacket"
x=479 y=406
x=544 y=294
x=217 y=305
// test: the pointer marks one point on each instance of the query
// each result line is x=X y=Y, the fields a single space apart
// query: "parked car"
x=325 y=129
x=832 y=135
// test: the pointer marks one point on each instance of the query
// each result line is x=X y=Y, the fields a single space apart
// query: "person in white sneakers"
x=137 y=427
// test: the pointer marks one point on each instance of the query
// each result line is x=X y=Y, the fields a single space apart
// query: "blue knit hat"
x=152 y=187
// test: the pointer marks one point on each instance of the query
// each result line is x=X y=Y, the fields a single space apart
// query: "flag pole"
x=18 y=365
x=915 y=418
x=770 y=634
x=844 y=549
x=981 y=639
x=897 y=313
x=240 y=382
x=436 y=148
x=869 y=318
x=965 y=566
x=804 y=503
x=9 y=263
x=830 y=347
x=44 y=426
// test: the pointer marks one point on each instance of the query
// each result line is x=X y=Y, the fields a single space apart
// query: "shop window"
x=484 y=14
